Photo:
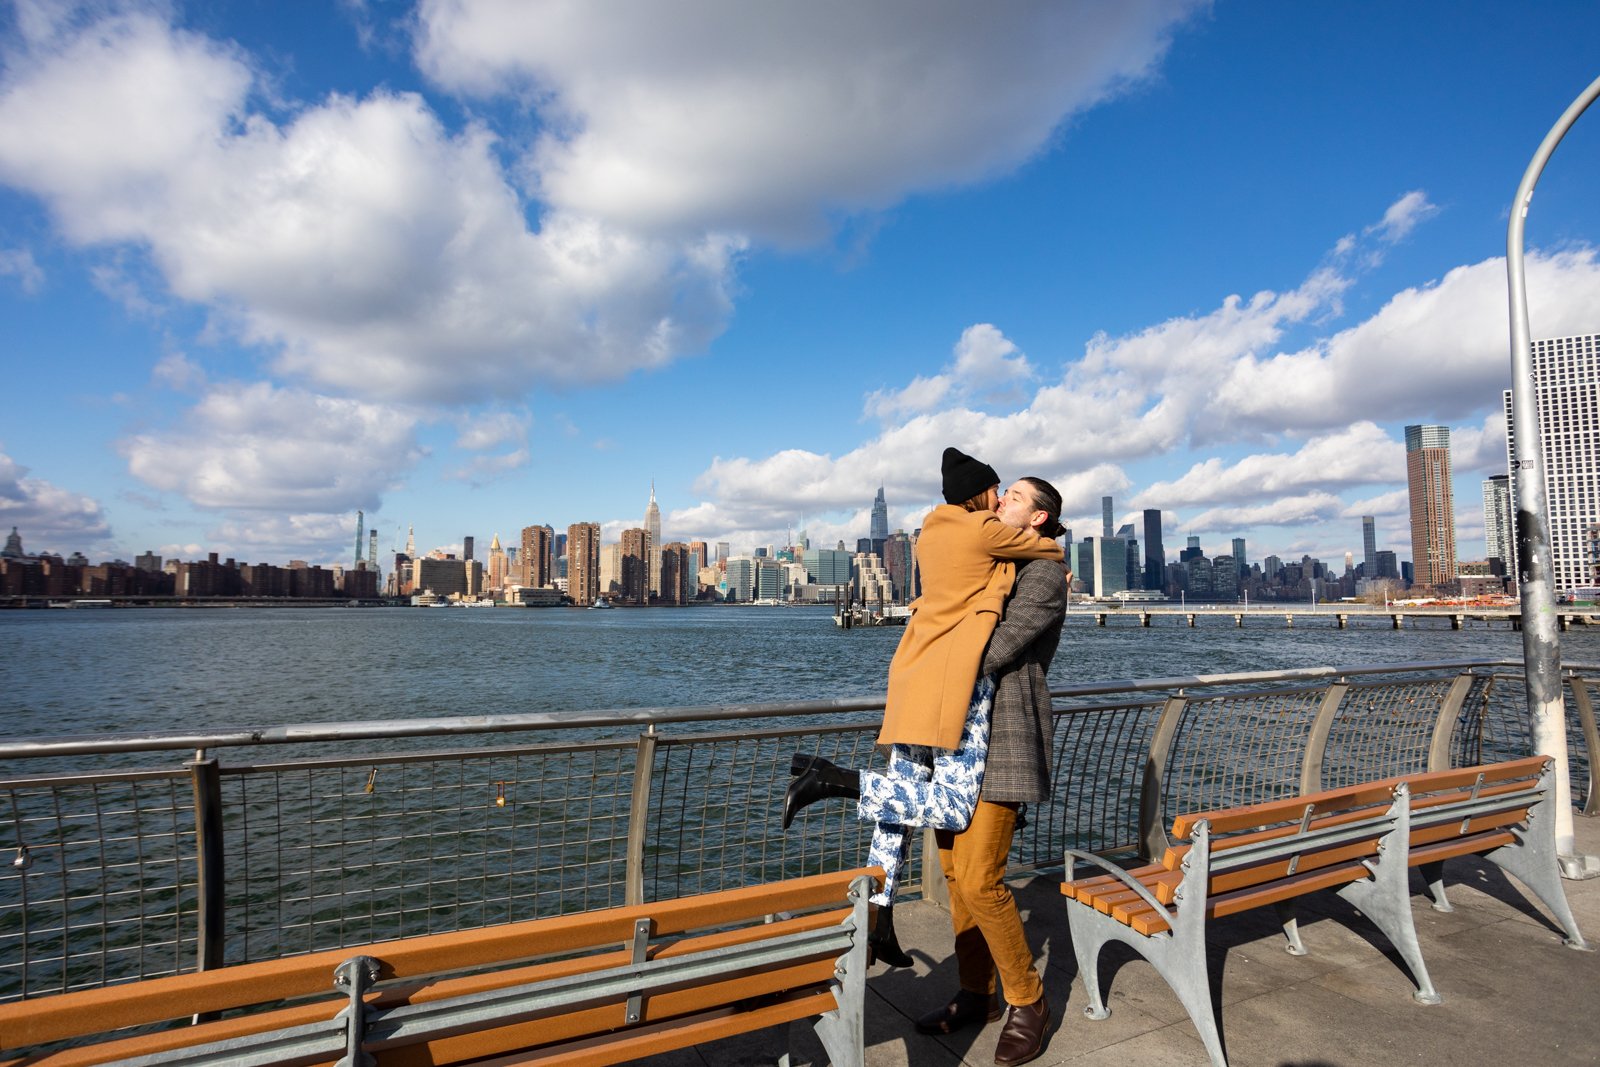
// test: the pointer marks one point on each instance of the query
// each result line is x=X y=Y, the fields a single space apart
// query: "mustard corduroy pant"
x=989 y=936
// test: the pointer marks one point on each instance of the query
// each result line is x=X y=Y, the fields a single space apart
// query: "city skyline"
x=340 y=260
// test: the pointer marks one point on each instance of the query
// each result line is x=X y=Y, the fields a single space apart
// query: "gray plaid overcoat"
x=1019 y=656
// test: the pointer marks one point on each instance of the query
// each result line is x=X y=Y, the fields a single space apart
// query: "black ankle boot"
x=882 y=944
x=817 y=780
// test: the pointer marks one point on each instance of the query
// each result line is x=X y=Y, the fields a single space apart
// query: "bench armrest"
x=1116 y=872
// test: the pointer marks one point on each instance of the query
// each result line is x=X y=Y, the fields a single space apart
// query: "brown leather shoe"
x=966 y=1009
x=1022 y=1038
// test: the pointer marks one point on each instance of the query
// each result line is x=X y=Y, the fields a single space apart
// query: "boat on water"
x=600 y=602
x=850 y=616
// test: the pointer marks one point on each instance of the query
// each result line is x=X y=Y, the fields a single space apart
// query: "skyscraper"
x=1239 y=560
x=1155 y=557
x=583 y=562
x=880 y=518
x=1105 y=516
x=1433 y=522
x=652 y=553
x=1566 y=381
x=1369 y=547
x=1499 y=540
x=498 y=565
x=900 y=561
x=1110 y=566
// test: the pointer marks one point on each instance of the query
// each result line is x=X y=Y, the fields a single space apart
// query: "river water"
x=91 y=672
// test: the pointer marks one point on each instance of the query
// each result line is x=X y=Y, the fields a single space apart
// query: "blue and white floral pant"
x=925 y=787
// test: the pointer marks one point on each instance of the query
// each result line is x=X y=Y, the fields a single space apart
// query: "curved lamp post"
x=1541 y=648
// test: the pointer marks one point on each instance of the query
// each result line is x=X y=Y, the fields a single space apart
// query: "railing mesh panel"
x=716 y=811
x=98 y=883
x=1382 y=730
x=1098 y=768
x=326 y=856
x=1238 y=749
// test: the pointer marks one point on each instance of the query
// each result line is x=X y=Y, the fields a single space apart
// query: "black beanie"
x=965 y=477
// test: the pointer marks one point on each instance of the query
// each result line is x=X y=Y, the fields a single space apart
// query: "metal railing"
x=118 y=873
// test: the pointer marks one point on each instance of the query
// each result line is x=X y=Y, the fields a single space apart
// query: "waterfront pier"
x=139 y=856
x=1340 y=616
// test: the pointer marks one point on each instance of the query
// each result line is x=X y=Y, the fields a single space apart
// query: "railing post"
x=1591 y=740
x=1152 y=812
x=1317 y=740
x=206 y=778
x=644 y=767
x=1444 y=727
x=934 y=887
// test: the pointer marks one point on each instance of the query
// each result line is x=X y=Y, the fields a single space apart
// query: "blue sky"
x=468 y=266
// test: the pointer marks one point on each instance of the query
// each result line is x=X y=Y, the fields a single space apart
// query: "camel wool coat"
x=967 y=562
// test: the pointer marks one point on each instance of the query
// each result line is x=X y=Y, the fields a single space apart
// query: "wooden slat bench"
x=549 y=991
x=1360 y=842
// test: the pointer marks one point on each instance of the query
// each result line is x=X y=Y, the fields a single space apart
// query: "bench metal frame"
x=1179 y=953
x=361 y=1029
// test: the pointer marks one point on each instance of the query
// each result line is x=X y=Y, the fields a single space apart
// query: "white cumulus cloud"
x=366 y=247
x=769 y=119
x=49 y=517
x=253 y=447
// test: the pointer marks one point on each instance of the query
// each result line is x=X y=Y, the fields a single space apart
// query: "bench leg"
x=1433 y=878
x=1536 y=868
x=1385 y=898
x=1087 y=948
x=842 y=1030
x=1291 y=927
x=1178 y=957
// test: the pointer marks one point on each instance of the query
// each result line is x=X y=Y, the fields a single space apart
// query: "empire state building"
x=652 y=545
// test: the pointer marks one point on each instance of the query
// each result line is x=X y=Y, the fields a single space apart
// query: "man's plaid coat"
x=1019 y=656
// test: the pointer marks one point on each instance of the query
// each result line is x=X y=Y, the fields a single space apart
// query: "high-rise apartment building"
x=611 y=569
x=537 y=556
x=1155 y=557
x=1433 y=520
x=679 y=581
x=583 y=562
x=1566 y=382
x=872 y=581
x=1105 y=516
x=1499 y=538
x=1239 y=560
x=466 y=547
x=880 y=517
x=635 y=566
x=1225 y=577
x=1369 y=546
